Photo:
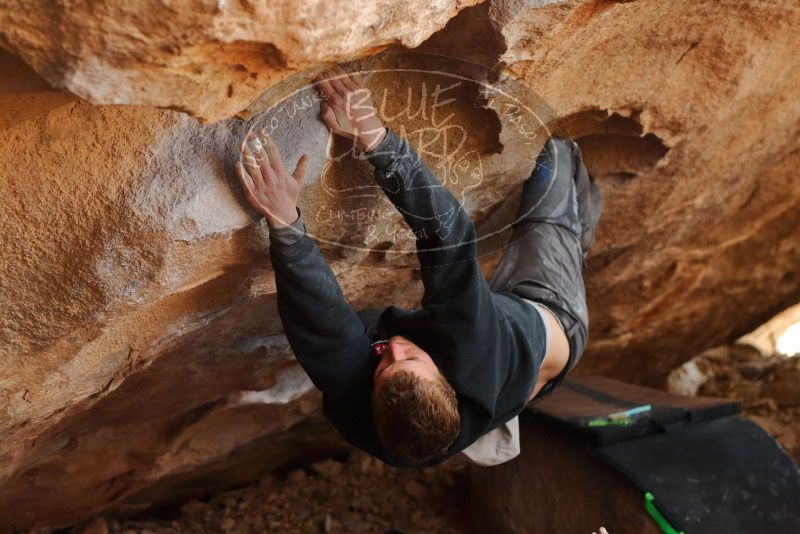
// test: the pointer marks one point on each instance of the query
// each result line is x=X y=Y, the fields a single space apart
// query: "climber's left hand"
x=268 y=186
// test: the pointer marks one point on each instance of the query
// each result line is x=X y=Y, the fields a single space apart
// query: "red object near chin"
x=379 y=347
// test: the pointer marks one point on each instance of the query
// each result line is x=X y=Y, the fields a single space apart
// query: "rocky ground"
x=359 y=494
x=356 y=494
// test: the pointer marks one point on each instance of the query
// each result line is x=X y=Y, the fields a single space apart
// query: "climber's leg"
x=558 y=215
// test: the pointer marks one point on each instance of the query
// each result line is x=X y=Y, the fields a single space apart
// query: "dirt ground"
x=360 y=495
x=357 y=494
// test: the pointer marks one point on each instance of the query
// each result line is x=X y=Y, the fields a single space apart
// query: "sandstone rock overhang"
x=208 y=59
x=138 y=305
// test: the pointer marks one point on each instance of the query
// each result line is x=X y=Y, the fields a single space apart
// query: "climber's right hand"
x=348 y=109
x=268 y=186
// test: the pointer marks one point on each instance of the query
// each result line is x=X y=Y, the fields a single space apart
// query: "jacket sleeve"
x=325 y=333
x=445 y=235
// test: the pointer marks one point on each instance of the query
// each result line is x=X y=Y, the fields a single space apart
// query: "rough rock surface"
x=572 y=491
x=141 y=350
x=210 y=58
x=767 y=337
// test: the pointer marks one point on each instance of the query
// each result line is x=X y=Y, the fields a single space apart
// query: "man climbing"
x=414 y=387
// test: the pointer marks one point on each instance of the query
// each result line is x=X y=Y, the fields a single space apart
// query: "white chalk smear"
x=291 y=384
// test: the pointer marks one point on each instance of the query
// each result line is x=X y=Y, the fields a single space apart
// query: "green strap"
x=604 y=421
x=656 y=515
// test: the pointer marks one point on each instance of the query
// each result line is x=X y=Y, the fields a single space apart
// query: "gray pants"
x=558 y=214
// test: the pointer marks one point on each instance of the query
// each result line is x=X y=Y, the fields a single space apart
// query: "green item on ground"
x=656 y=515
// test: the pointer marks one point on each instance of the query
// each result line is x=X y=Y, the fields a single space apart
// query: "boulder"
x=143 y=359
x=554 y=485
x=209 y=59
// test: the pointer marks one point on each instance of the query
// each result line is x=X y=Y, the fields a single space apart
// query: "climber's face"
x=399 y=354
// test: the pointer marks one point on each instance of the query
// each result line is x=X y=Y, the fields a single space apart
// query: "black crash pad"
x=715 y=477
x=709 y=472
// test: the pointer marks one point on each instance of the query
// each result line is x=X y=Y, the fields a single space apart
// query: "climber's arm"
x=446 y=237
x=324 y=332
x=326 y=335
